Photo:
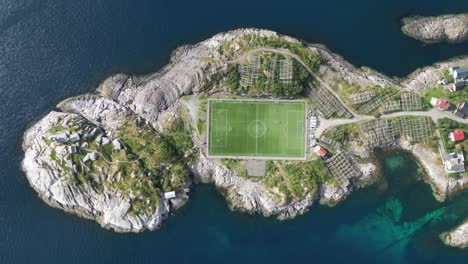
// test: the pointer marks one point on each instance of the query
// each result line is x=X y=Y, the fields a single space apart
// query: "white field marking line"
x=297 y=132
x=210 y=130
x=256 y=129
x=299 y=125
x=226 y=127
x=287 y=129
x=305 y=129
x=215 y=122
x=224 y=111
x=243 y=122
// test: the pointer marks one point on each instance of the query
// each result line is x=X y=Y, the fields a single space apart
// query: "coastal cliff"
x=445 y=28
x=111 y=156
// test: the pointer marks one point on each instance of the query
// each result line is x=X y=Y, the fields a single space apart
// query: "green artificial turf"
x=260 y=128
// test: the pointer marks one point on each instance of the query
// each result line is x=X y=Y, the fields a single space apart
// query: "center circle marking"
x=256 y=128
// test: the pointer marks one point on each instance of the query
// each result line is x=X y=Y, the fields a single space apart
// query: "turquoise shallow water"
x=50 y=50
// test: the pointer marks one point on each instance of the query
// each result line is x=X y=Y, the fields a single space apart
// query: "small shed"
x=170 y=195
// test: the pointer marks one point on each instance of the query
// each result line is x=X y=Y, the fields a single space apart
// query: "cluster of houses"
x=73 y=144
x=460 y=81
x=455 y=162
x=443 y=104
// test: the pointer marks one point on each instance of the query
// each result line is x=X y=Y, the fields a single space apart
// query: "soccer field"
x=256 y=129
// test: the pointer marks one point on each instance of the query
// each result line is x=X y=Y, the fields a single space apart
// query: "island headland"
x=446 y=28
x=128 y=154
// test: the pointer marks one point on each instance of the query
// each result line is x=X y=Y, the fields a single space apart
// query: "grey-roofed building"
x=73 y=149
x=459 y=113
x=458 y=86
x=463 y=107
x=74 y=137
x=61 y=137
x=460 y=74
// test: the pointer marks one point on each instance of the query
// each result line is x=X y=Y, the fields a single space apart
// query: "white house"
x=117 y=144
x=91 y=156
x=105 y=141
x=453 y=162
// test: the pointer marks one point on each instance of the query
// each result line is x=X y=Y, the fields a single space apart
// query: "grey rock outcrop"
x=458 y=237
x=445 y=28
x=57 y=188
x=99 y=110
x=249 y=196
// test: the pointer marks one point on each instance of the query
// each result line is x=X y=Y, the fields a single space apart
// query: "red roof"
x=443 y=104
x=457 y=135
x=320 y=151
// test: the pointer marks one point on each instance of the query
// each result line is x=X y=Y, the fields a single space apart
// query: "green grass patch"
x=58 y=128
x=440 y=92
x=447 y=75
x=302 y=177
x=236 y=166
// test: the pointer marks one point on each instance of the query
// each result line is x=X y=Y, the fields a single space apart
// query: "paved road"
x=433 y=113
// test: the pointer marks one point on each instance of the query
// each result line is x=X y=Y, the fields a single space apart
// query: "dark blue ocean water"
x=50 y=50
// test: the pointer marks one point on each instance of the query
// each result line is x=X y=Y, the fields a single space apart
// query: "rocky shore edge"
x=457 y=237
x=452 y=28
x=155 y=98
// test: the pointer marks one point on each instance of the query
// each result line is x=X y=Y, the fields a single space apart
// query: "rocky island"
x=445 y=28
x=128 y=154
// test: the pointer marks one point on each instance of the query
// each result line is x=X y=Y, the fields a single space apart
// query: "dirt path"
x=286 y=180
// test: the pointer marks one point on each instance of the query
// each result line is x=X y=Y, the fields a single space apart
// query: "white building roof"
x=169 y=195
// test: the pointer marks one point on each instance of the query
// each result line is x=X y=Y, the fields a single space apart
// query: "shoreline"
x=157 y=105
